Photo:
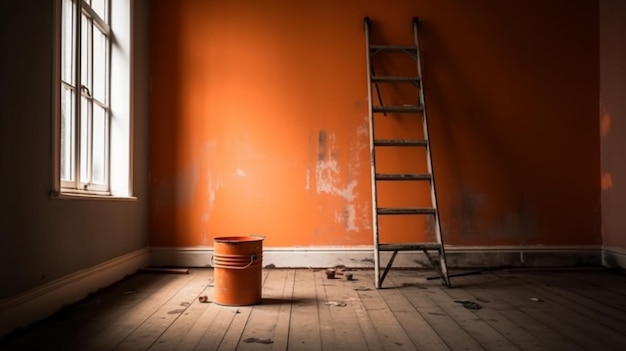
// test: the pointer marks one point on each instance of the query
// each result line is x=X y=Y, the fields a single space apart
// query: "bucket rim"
x=238 y=239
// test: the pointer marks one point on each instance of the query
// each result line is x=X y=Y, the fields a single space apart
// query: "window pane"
x=67 y=133
x=100 y=7
x=85 y=52
x=85 y=138
x=99 y=65
x=67 y=42
x=99 y=145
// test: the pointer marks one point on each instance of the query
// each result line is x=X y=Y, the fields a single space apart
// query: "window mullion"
x=77 y=84
x=91 y=100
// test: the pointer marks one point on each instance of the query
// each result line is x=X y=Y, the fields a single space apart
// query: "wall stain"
x=322 y=141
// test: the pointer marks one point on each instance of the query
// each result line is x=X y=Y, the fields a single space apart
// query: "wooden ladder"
x=434 y=251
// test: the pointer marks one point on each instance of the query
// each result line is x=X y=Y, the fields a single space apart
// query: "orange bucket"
x=237 y=270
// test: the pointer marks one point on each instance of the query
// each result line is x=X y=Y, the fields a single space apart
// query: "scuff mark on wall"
x=472 y=206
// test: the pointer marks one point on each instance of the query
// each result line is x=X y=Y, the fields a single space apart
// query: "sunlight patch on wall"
x=605 y=121
x=607 y=181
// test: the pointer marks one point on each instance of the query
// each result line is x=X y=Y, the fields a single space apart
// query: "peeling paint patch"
x=328 y=180
x=349 y=217
x=606 y=181
x=307 y=180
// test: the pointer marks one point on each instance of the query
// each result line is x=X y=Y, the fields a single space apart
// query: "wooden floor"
x=582 y=309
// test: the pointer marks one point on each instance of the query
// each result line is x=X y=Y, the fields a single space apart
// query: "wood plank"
x=173 y=336
x=216 y=331
x=362 y=282
x=165 y=314
x=391 y=333
x=410 y=319
x=340 y=298
x=263 y=321
x=498 y=320
x=588 y=289
x=327 y=332
x=281 y=334
x=305 y=328
x=418 y=292
x=190 y=339
x=126 y=323
x=218 y=328
x=488 y=289
x=91 y=315
x=607 y=323
x=578 y=329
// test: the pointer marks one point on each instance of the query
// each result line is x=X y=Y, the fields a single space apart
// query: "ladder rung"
x=394 y=47
x=400 y=142
x=406 y=211
x=425 y=176
x=409 y=246
x=401 y=108
x=395 y=79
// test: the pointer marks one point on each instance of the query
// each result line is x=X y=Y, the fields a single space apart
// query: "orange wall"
x=259 y=119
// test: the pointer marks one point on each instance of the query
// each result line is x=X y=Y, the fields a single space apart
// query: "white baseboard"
x=363 y=257
x=23 y=309
x=614 y=257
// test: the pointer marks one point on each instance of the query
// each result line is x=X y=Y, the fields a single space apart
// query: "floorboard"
x=302 y=309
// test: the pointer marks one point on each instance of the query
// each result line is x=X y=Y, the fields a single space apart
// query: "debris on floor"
x=203 y=299
x=330 y=274
x=362 y=288
x=335 y=303
x=259 y=340
x=470 y=305
x=535 y=299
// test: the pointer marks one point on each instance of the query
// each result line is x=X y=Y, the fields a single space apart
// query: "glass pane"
x=100 y=7
x=85 y=52
x=99 y=65
x=85 y=139
x=67 y=42
x=67 y=134
x=99 y=145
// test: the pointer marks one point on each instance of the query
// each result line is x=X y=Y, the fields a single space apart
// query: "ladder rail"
x=433 y=196
x=376 y=238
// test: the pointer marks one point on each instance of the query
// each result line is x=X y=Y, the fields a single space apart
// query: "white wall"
x=44 y=239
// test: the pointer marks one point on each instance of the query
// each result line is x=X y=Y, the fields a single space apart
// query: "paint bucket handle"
x=252 y=259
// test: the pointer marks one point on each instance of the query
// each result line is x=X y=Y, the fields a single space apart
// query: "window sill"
x=65 y=195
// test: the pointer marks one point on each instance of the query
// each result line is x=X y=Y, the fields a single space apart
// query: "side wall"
x=613 y=130
x=49 y=245
x=259 y=121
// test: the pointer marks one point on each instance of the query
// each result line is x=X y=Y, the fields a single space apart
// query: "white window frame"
x=118 y=177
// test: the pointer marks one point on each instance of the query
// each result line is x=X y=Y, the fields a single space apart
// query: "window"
x=85 y=77
x=92 y=143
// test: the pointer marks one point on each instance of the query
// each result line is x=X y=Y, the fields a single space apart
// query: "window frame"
x=119 y=122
